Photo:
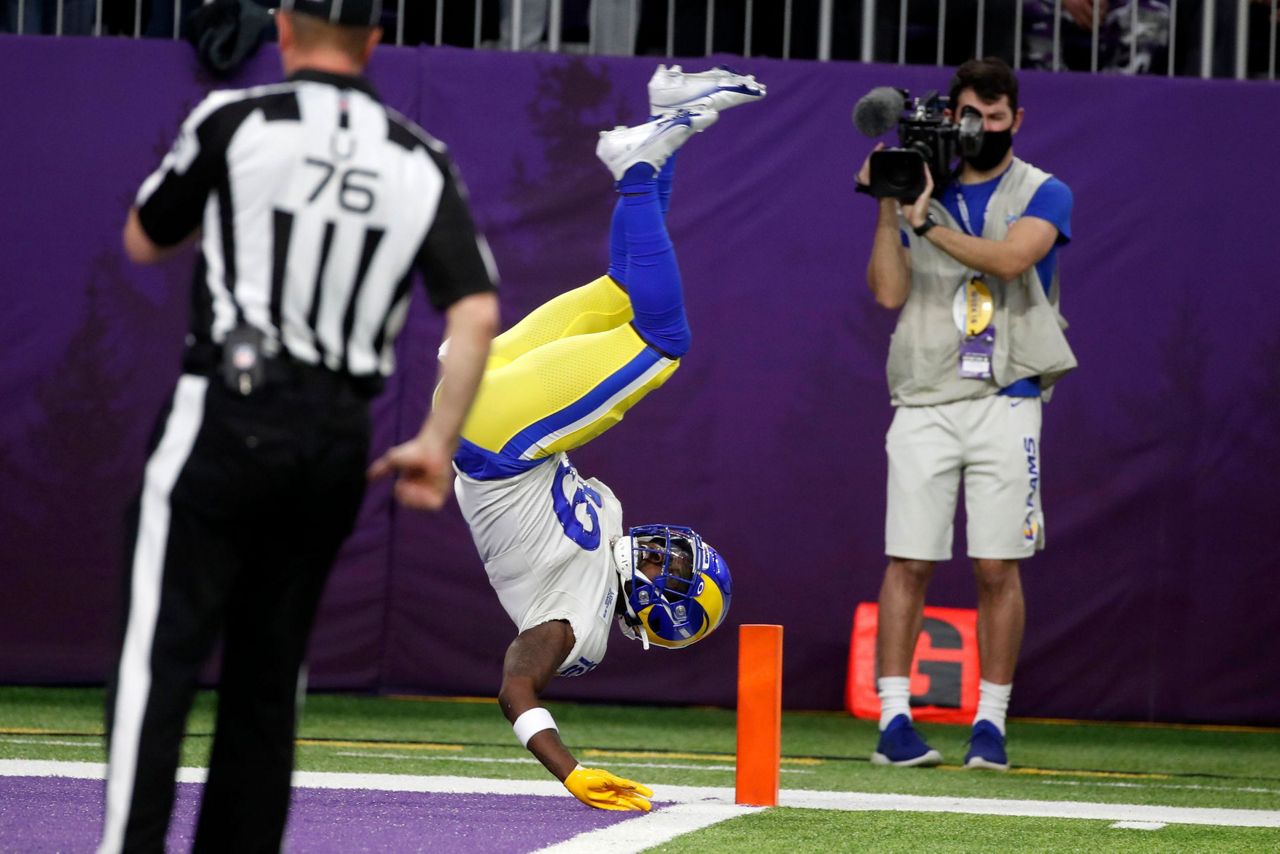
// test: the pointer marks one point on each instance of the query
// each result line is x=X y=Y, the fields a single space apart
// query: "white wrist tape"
x=531 y=723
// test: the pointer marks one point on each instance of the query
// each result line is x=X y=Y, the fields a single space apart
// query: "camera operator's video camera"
x=926 y=136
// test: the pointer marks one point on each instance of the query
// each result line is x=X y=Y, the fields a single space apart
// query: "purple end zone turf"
x=62 y=814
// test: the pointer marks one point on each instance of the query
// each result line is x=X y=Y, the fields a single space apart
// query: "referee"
x=313 y=204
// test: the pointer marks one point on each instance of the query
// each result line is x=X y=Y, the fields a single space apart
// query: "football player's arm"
x=657 y=303
x=531 y=663
x=529 y=666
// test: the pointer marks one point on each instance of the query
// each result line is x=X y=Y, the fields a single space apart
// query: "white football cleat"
x=652 y=142
x=672 y=89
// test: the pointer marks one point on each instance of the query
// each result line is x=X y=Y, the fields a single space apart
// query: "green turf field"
x=1222 y=768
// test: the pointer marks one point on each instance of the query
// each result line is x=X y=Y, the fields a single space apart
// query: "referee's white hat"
x=347 y=13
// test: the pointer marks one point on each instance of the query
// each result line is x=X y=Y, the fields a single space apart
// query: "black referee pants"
x=244 y=506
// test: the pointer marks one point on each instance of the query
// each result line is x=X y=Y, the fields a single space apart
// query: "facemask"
x=995 y=145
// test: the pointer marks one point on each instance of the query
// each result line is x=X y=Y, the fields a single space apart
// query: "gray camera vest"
x=925 y=349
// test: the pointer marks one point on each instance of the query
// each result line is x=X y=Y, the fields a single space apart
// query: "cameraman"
x=978 y=343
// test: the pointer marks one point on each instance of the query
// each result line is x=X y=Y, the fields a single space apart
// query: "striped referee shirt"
x=316 y=204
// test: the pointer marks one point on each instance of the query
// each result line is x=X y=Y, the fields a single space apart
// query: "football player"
x=553 y=543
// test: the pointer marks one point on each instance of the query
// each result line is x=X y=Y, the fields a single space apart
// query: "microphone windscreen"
x=878 y=111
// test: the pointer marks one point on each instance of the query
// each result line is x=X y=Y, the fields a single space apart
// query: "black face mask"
x=995 y=145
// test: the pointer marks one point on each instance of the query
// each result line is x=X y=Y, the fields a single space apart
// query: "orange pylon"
x=759 y=714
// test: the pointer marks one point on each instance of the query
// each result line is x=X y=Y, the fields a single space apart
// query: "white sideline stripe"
x=525 y=760
x=1138 y=825
x=862 y=801
x=723 y=796
x=1258 y=790
x=641 y=834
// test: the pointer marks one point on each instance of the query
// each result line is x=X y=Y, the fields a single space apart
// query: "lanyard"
x=964 y=213
x=974 y=276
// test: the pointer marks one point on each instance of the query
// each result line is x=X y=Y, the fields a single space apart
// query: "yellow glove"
x=602 y=790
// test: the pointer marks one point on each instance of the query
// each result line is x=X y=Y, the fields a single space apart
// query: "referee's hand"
x=424 y=473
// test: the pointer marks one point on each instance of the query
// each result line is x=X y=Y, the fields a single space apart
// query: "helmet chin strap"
x=631 y=624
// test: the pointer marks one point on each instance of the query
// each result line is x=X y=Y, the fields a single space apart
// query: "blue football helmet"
x=688 y=595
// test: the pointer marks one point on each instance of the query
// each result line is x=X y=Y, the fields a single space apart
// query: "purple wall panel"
x=1158 y=453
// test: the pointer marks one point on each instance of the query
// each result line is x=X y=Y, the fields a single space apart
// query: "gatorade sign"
x=944 y=672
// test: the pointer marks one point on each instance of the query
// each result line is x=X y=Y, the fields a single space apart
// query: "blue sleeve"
x=1053 y=203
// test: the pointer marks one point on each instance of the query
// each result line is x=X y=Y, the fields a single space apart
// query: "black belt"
x=283 y=369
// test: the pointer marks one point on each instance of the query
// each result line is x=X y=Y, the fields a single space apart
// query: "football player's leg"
x=673 y=89
x=619 y=259
x=655 y=288
x=666 y=175
x=594 y=307
x=562 y=394
x=718 y=89
x=618 y=254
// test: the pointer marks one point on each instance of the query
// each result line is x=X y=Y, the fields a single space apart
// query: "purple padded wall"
x=1159 y=452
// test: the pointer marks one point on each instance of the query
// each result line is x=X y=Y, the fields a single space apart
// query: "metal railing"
x=1205 y=38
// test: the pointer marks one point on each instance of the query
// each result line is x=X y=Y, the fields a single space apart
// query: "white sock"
x=993 y=703
x=895 y=698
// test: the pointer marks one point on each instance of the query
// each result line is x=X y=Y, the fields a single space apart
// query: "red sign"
x=944 y=672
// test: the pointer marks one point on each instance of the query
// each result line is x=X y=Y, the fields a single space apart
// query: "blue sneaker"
x=986 y=748
x=901 y=745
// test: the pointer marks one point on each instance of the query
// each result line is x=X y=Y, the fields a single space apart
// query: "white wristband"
x=531 y=723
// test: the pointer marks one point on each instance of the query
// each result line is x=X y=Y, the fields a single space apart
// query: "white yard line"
x=861 y=801
x=1138 y=825
x=717 y=796
x=640 y=834
x=1257 y=790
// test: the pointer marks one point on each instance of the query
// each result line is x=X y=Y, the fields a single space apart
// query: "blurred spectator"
x=38 y=17
x=1133 y=35
x=613 y=24
x=159 y=23
x=770 y=26
x=1223 y=57
x=728 y=29
x=961 y=37
x=533 y=23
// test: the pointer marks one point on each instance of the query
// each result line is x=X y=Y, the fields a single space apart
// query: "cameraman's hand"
x=864 y=174
x=918 y=211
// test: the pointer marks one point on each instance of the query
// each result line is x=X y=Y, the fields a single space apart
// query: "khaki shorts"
x=994 y=442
